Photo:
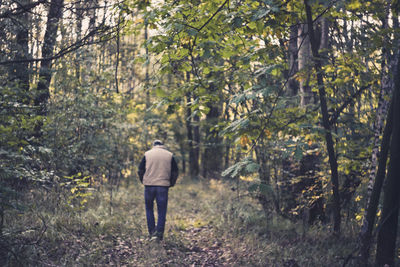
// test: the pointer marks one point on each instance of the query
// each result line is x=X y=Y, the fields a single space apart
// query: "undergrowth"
x=208 y=224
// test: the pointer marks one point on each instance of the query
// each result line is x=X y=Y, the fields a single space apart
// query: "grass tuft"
x=207 y=224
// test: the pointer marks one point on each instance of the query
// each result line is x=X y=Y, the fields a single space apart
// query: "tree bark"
x=196 y=145
x=368 y=225
x=20 y=71
x=212 y=157
x=293 y=85
x=304 y=55
x=79 y=18
x=325 y=121
x=378 y=168
x=386 y=245
x=49 y=43
x=264 y=175
x=213 y=154
x=191 y=136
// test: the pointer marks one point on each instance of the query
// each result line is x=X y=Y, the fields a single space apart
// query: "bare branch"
x=68 y=49
x=333 y=118
x=21 y=9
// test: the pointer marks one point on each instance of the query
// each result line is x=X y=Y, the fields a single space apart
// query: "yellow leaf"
x=354 y=5
x=267 y=133
x=139 y=20
x=244 y=140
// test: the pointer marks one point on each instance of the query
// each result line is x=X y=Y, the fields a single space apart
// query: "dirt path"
x=191 y=247
x=204 y=249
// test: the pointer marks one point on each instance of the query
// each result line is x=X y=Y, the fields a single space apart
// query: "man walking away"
x=157 y=172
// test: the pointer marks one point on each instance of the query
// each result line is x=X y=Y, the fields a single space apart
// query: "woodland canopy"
x=284 y=117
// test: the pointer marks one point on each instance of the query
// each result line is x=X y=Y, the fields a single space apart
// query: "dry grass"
x=207 y=225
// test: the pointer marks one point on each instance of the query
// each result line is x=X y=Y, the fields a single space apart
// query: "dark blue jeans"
x=160 y=194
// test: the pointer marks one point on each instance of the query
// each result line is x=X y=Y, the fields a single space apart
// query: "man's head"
x=157 y=143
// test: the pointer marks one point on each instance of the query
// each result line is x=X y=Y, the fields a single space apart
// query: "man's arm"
x=142 y=169
x=174 y=171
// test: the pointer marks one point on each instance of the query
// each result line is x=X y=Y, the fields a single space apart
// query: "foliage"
x=195 y=234
x=226 y=69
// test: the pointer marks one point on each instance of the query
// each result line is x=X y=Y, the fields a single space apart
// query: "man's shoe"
x=159 y=236
x=153 y=238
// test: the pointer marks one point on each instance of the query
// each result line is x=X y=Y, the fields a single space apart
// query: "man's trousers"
x=160 y=194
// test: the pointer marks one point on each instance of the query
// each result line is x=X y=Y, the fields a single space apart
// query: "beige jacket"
x=158 y=167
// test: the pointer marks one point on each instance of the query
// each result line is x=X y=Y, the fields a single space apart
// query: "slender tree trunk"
x=293 y=85
x=383 y=103
x=264 y=175
x=189 y=131
x=212 y=157
x=118 y=44
x=376 y=177
x=304 y=55
x=20 y=71
x=79 y=18
x=386 y=245
x=147 y=71
x=49 y=43
x=196 y=145
x=324 y=44
x=369 y=221
x=325 y=121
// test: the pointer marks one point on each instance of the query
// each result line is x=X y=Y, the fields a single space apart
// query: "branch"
x=209 y=20
x=349 y=101
x=21 y=9
x=216 y=12
x=66 y=50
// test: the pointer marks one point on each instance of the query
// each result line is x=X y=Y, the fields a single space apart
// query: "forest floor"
x=207 y=225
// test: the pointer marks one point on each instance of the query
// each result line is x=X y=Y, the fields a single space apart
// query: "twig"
x=348 y=101
x=117 y=59
x=66 y=50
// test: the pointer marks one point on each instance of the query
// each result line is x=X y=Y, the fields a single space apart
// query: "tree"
x=325 y=120
x=386 y=245
x=378 y=165
x=49 y=42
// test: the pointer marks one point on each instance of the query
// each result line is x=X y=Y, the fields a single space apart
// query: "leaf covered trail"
x=207 y=225
x=191 y=238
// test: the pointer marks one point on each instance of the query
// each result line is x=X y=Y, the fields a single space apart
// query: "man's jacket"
x=158 y=167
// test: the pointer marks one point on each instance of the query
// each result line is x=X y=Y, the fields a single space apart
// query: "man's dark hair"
x=157 y=143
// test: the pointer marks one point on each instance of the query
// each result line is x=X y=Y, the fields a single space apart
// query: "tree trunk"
x=79 y=18
x=20 y=71
x=383 y=103
x=191 y=136
x=213 y=154
x=376 y=177
x=386 y=245
x=189 y=129
x=304 y=55
x=292 y=84
x=264 y=175
x=369 y=221
x=325 y=121
x=196 y=145
x=49 y=43
x=212 y=157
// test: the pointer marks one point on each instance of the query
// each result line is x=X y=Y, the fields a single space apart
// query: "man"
x=157 y=172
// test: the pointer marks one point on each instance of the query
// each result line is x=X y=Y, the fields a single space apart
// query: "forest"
x=283 y=117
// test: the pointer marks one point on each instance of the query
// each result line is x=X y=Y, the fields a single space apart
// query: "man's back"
x=158 y=167
x=157 y=171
